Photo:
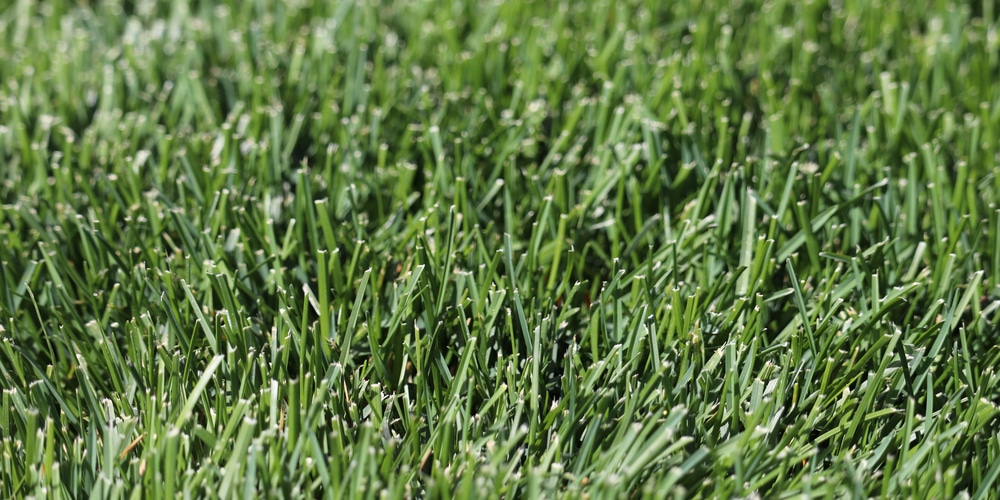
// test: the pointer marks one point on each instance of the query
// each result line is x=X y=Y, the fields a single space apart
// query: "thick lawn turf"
x=473 y=249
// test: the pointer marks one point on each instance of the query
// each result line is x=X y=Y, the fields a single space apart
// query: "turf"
x=472 y=249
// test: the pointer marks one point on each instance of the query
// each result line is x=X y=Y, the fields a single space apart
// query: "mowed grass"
x=474 y=249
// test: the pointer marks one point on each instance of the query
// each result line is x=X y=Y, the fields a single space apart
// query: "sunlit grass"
x=499 y=249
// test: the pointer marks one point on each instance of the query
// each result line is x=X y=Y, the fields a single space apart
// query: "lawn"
x=516 y=249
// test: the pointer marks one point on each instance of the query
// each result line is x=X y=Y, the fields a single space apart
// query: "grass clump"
x=583 y=249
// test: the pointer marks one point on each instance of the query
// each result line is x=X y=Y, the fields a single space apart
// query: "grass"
x=499 y=249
